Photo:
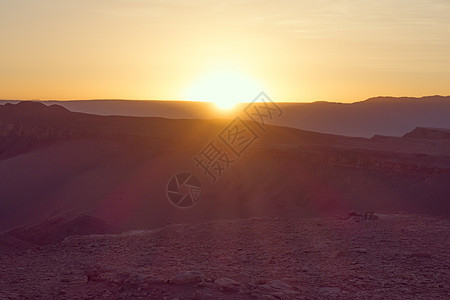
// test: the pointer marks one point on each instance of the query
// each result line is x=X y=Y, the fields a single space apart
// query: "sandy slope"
x=394 y=257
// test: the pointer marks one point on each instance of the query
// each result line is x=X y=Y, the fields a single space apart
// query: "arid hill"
x=53 y=161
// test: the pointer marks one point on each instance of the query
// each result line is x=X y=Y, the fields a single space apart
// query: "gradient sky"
x=334 y=50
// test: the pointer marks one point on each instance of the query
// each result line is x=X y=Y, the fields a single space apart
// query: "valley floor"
x=397 y=256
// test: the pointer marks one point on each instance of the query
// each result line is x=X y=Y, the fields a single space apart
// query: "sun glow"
x=224 y=88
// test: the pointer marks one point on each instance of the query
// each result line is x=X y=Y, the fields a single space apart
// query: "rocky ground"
x=394 y=256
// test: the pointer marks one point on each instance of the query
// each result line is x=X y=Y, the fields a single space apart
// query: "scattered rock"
x=151 y=280
x=361 y=250
x=330 y=291
x=266 y=297
x=367 y=216
x=405 y=290
x=279 y=285
x=187 y=277
x=203 y=295
x=227 y=284
x=407 y=276
x=420 y=255
x=135 y=278
x=414 y=265
x=277 y=289
x=121 y=277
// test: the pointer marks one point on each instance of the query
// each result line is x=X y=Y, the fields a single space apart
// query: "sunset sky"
x=295 y=50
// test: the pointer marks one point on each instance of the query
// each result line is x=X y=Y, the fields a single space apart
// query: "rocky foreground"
x=390 y=257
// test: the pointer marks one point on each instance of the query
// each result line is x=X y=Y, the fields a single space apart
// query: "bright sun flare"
x=225 y=88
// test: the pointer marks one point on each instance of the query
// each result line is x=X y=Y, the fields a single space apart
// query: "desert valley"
x=75 y=183
x=238 y=149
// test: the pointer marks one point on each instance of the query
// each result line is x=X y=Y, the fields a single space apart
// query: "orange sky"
x=156 y=49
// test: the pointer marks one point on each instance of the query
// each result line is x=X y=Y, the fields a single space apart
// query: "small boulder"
x=151 y=280
x=277 y=289
x=279 y=285
x=187 y=277
x=227 y=284
x=203 y=295
x=330 y=291
x=361 y=250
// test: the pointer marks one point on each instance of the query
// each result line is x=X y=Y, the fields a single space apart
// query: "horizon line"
x=212 y=102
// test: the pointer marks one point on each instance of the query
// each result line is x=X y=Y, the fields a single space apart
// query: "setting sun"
x=225 y=88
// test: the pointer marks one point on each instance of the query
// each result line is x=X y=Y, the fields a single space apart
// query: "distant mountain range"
x=376 y=116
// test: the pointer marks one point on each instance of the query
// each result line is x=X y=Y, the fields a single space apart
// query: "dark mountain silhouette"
x=381 y=115
x=428 y=134
x=376 y=116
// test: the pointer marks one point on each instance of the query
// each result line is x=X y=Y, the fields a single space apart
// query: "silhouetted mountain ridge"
x=429 y=134
x=394 y=99
x=389 y=116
